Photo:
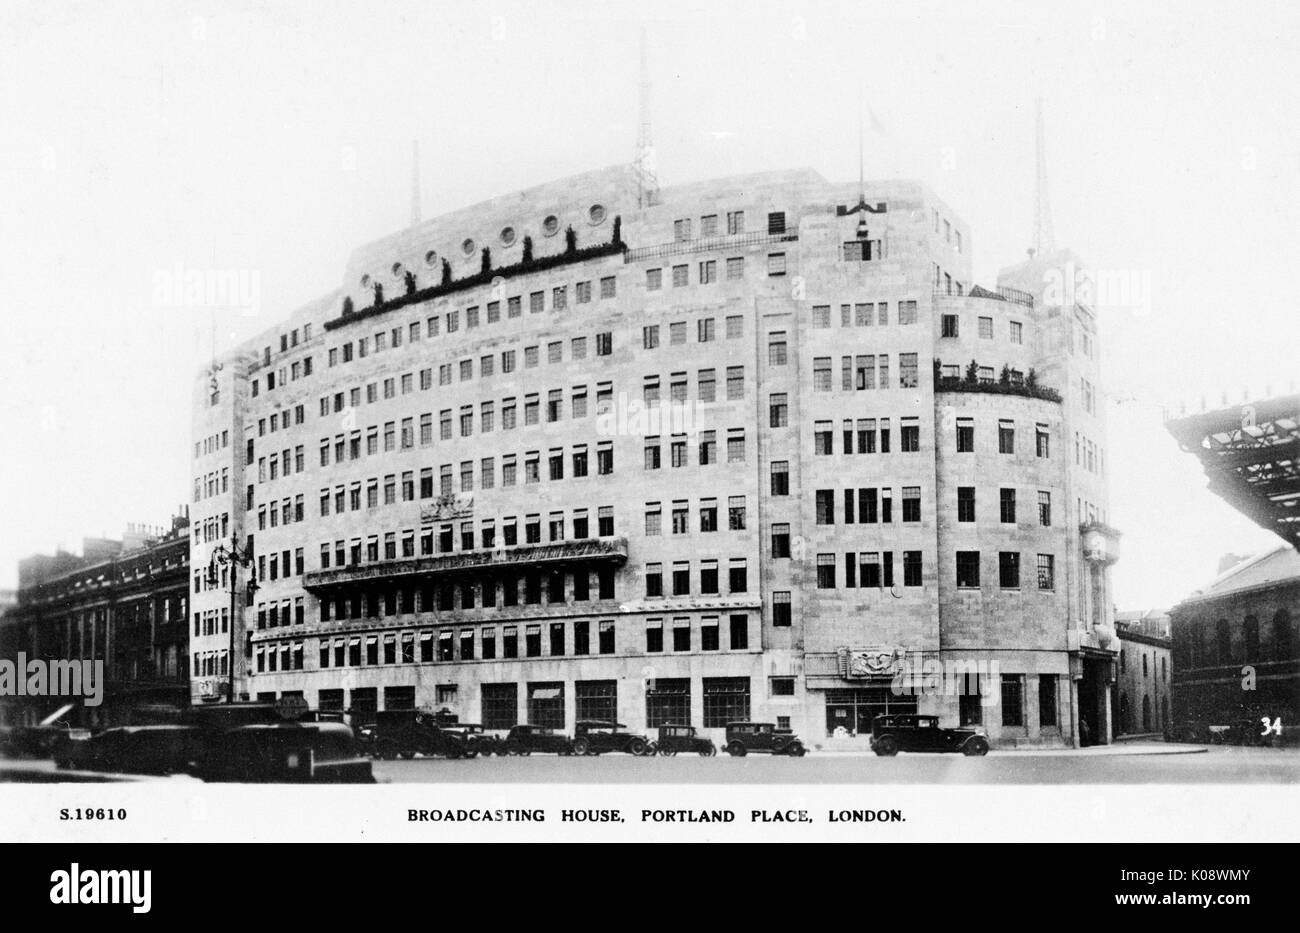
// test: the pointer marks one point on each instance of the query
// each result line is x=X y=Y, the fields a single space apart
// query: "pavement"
x=1122 y=748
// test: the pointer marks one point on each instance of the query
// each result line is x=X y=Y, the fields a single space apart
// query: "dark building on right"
x=1235 y=641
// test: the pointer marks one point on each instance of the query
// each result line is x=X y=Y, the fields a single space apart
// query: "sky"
x=269 y=139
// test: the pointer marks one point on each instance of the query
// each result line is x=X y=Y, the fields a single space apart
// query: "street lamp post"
x=233 y=556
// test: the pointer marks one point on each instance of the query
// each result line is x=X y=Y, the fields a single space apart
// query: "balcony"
x=595 y=550
x=708 y=244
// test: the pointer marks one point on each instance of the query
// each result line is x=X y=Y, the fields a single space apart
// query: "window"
x=654 y=279
x=1044 y=508
x=908 y=375
x=735 y=382
x=708 y=271
x=1017 y=332
x=736 y=445
x=735 y=268
x=825 y=499
x=965 y=503
x=682 y=634
x=776 y=349
x=681 y=275
x=907 y=312
x=1007 y=506
x=1006 y=437
x=1009 y=570
x=776 y=264
x=1013 y=699
x=780 y=539
x=965 y=435
x=1047 y=699
x=780 y=478
x=821 y=316
x=726 y=699
x=667 y=700
x=825 y=571
x=968 y=568
x=738 y=576
x=781 y=614
x=735 y=222
x=911 y=503
x=739 y=632
x=1046 y=572
x=948 y=325
x=778 y=410
x=911 y=568
x=986 y=328
x=822 y=374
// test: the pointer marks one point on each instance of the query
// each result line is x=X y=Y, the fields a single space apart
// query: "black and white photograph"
x=579 y=421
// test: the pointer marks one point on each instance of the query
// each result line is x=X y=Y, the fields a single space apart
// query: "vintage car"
x=284 y=752
x=524 y=740
x=592 y=737
x=891 y=734
x=477 y=742
x=133 y=750
x=44 y=738
x=408 y=732
x=745 y=737
x=674 y=739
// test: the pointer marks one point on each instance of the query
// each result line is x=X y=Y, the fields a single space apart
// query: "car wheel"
x=637 y=747
x=709 y=750
x=975 y=746
x=796 y=749
x=581 y=746
x=886 y=746
x=667 y=752
x=736 y=750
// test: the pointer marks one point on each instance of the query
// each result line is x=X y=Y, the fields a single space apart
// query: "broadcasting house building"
x=735 y=450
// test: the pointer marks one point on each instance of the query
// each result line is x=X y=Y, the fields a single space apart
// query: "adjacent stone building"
x=123 y=602
x=740 y=453
x=1143 y=686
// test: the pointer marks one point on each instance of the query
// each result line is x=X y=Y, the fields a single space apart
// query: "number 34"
x=1274 y=726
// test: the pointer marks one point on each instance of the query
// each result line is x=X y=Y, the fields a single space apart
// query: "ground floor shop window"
x=364 y=702
x=596 y=699
x=668 y=702
x=399 y=698
x=546 y=705
x=500 y=706
x=726 y=699
x=331 y=700
x=852 y=710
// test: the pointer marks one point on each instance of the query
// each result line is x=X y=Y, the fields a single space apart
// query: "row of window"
x=211 y=444
x=1006 y=437
x=709 y=225
x=861 y=435
x=212 y=483
x=278 y=421
x=1006 y=506
x=288 y=341
x=474 y=317
x=214 y=528
x=1089 y=454
x=708 y=516
x=680 y=580
x=870 y=371
x=863 y=314
x=705 y=331
x=950 y=326
x=968 y=570
x=443 y=542
x=869 y=506
x=950 y=233
x=298 y=369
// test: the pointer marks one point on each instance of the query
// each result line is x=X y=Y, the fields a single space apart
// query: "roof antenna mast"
x=1044 y=239
x=646 y=180
x=415 y=182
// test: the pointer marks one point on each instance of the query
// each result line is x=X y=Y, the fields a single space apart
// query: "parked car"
x=746 y=737
x=891 y=734
x=524 y=740
x=133 y=750
x=407 y=732
x=41 y=740
x=594 y=737
x=284 y=752
x=477 y=742
x=674 y=739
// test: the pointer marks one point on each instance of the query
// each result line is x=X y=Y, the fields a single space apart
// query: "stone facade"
x=801 y=510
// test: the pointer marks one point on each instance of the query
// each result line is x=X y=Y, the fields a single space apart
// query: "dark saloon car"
x=284 y=752
x=477 y=742
x=746 y=737
x=133 y=750
x=524 y=740
x=674 y=739
x=593 y=737
x=892 y=734
x=407 y=732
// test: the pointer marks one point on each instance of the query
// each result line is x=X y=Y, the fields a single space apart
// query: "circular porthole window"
x=596 y=215
x=365 y=281
x=467 y=247
x=430 y=258
x=507 y=236
x=397 y=270
x=551 y=225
